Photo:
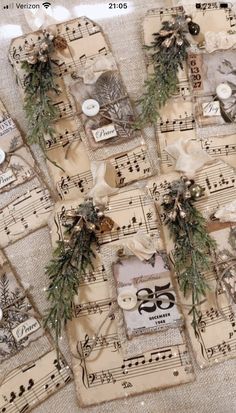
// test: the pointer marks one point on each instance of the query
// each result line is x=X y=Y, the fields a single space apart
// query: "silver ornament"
x=167 y=199
x=91 y=226
x=195 y=190
x=179 y=42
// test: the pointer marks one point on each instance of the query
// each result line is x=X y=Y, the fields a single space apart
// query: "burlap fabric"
x=214 y=390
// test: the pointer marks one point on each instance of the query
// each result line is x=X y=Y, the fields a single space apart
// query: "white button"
x=223 y=91
x=2 y=156
x=90 y=107
x=127 y=298
x=1 y=314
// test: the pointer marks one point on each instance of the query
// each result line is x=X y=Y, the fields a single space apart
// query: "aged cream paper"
x=177 y=118
x=106 y=374
x=24 y=215
x=30 y=384
x=18 y=165
x=20 y=324
x=85 y=42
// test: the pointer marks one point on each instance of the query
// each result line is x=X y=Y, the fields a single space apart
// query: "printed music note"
x=215 y=339
x=103 y=367
x=131 y=211
x=148 y=364
x=19 y=217
x=39 y=381
x=129 y=167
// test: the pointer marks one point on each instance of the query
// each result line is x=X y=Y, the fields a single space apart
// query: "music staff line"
x=178 y=124
x=218 y=150
x=84 y=30
x=94 y=277
x=213 y=316
x=22 y=402
x=130 y=163
x=221 y=350
x=109 y=341
x=92 y=307
x=143 y=365
x=62 y=140
x=71 y=34
x=130 y=229
x=10 y=216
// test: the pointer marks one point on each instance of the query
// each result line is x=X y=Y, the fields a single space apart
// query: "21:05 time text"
x=117 y=5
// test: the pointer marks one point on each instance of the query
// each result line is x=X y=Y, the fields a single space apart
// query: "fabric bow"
x=101 y=190
x=219 y=41
x=94 y=68
x=42 y=17
x=227 y=213
x=189 y=158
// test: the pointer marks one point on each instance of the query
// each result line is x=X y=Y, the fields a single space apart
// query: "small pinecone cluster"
x=41 y=52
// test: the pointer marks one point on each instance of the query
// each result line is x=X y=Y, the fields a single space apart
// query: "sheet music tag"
x=25 y=329
x=211 y=108
x=6 y=126
x=106 y=132
x=6 y=178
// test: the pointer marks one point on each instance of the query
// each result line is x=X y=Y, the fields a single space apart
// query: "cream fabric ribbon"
x=227 y=213
x=42 y=17
x=219 y=41
x=189 y=157
x=141 y=245
x=94 y=68
x=101 y=190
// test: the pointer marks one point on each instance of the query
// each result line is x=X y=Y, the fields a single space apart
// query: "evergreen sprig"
x=72 y=257
x=39 y=87
x=192 y=243
x=168 y=53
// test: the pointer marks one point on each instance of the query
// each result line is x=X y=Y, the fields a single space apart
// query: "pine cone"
x=106 y=224
x=60 y=43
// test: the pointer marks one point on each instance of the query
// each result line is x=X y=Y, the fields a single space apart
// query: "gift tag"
x=16 y=162
x=211 y=108
x=20 y=323
x=6 y=178
x=150 y=301
x=106 y=132
x=88 y=55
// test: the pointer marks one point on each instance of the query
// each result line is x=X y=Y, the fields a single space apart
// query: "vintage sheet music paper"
x=24 y=215
x=177 y=118
x=18 y=163
x=217 y=179
x=24 y=380
x=215 y=338
x=106 y=374
x=86 y=43
x=30 y=384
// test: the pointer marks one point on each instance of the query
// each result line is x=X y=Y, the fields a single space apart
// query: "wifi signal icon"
x=46 y=4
